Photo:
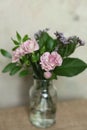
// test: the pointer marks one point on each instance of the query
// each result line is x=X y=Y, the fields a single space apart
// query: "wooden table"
x=72 y=115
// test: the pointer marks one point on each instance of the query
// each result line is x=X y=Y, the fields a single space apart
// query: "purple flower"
x=61 y=38
x=38 y=34
x=59 y=35
x=77 y=40
x=46 y=29
x=64 y=40
x=82 y=43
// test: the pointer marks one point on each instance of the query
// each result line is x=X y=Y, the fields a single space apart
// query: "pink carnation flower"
x=17 y=54
x=27 y=47
x=47 y=75
x=30 y=46
x=50 y=61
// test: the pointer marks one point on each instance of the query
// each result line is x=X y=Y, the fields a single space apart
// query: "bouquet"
x=44 y=56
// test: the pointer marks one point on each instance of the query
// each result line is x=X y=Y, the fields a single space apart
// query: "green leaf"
x=18 y=37
x=23 y=73
x=35 y=57
x=15 y=69
x=15 y=48
x=70 y=49
x=71 y=67
x=50 y=44
x=25 y=38
x=54 y=76
x=42 y=50
x=43 y=39
x=46 y=40
x=15 y=42
x=66 y=50
x=8 y=67
x=5 y=53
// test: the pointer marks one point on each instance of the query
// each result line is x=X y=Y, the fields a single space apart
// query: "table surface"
x=71 y=115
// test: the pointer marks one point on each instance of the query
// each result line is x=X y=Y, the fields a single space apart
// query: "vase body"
x=43 y=100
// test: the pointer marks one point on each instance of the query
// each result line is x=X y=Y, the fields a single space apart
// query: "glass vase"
x=43 y=100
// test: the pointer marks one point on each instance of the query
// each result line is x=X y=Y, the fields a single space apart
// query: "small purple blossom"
x=61 y=38
x=82 y=43
x=59 y=35
x=38 y=34
x=75 y=39
x=64 y=40
x=46 y=30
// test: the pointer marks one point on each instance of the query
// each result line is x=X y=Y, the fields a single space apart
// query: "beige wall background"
x=68 y=16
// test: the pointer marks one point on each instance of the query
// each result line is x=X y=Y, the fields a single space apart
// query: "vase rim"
x=41 y=79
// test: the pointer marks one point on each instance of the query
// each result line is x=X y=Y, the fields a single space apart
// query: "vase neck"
x=42 y=84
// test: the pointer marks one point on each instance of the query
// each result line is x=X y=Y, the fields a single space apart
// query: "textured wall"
x=68 y=16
